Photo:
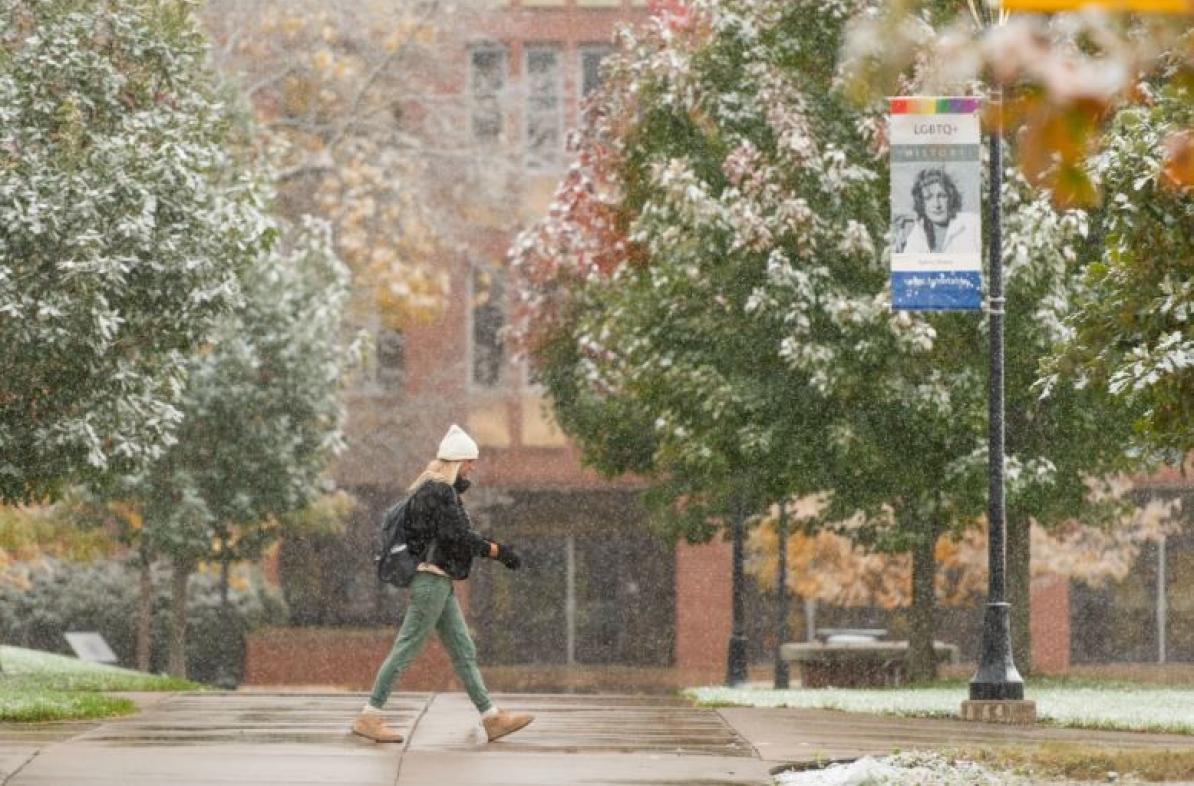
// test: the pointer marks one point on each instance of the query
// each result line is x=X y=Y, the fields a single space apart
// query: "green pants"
x=432 y=605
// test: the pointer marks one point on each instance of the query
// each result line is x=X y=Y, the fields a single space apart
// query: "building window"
x=391 y=359
x=487 y=79
x=544 y=107
x=488 y=315
x=591 y=56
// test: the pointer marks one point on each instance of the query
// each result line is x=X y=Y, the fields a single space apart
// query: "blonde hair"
x=438 y=469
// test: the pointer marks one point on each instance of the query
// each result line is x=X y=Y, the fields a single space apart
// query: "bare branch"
x=299 y=123
x=268 y=81
x=320 y=164
x=375 y=74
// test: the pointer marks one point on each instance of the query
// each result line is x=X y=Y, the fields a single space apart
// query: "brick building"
x=601 y=602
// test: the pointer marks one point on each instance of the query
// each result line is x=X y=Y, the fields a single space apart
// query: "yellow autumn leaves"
x=31 y=533
x=831 y=569
x=335 y=94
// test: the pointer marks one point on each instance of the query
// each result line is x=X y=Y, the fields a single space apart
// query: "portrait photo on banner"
x=935 y=207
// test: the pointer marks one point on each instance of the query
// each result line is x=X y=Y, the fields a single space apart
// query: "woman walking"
x=440 y=531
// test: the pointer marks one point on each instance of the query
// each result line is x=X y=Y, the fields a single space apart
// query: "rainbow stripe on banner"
x=911 y=105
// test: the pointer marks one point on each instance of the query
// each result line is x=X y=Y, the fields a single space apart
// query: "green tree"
x=740 y=345
x=262 y=418
x=1132 y=332
x=707 y=304
x=1075 y=90
x=122 y=231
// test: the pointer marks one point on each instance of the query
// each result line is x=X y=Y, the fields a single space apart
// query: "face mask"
x=461 y=485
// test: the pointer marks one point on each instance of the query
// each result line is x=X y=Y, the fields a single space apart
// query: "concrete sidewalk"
x=293 y=738
x=792 y=735
x=235 y=738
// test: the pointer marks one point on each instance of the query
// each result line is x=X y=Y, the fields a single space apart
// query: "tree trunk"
x=1019 y=582
x=145 y=613
x=922 y=664
x=226 y=673
x=177 y=659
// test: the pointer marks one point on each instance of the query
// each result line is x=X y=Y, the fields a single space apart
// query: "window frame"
x=389 y=379
x=555 y=162
x=503 y=52
x=502 y=379
x=587 y=48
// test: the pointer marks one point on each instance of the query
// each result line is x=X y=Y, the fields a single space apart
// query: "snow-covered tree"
x=736 y=336
x=1102 y=111
x=122 y=230
x=1099 y=111
x=262 y=417
x=1132 y=332
x=707 y=303
x=707 y=168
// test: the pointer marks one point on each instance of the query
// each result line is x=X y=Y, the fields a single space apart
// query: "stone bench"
x=856 y=664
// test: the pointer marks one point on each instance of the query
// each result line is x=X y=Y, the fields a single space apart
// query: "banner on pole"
x=936 y=183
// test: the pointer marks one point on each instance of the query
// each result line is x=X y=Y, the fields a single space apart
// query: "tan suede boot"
x=371 y=725
x=505 y=723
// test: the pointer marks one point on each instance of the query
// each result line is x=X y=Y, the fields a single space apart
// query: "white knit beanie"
x=457 y=446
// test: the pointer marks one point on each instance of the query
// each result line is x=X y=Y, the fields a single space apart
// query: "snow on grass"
x=17 y=660
x=42 y=686
x=923 y=769
x=1117 y=706
x=32 y=668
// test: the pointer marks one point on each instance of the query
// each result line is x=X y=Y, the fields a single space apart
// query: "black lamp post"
x=782 y=679
x=997 y=678
x=736 y=660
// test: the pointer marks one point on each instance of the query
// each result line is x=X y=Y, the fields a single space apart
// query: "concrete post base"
x=1011 y=711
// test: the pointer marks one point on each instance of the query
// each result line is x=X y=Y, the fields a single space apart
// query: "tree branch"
x=375 y=74
x=320 y=166
x=261 y=84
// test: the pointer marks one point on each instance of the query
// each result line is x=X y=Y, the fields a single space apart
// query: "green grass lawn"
x=42 y=686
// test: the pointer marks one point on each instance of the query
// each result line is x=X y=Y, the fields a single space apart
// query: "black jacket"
x=441 y=530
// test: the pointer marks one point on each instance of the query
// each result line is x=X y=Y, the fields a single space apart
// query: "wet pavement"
x=303 y=738
x=21 y=742
x=235 y=738
x=796 y=735
x=584 y=724
x=580 y=740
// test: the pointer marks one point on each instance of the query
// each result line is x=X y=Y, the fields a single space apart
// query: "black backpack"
x=396 y=562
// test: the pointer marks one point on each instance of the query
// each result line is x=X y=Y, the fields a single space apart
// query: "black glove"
x=507 y=557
